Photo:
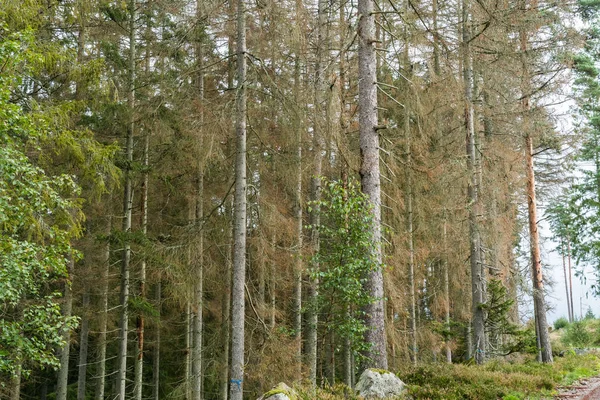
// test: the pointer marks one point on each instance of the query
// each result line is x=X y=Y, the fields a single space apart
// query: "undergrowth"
x=494 y=380
x=497 y=379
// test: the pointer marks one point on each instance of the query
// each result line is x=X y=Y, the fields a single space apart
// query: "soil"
x=585 y=389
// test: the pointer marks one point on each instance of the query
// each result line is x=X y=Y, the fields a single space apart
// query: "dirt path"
x=585 y=389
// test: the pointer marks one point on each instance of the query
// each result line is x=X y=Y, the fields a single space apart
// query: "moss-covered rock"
x=280 y=392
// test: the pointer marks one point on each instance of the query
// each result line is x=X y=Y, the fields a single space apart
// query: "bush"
x=577 y=335
x=560 y=323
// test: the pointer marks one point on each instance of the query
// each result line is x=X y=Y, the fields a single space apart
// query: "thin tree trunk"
x=239 y=245
x=189 y=340
x=299 y=227
x=83 y=346
x=570 y=279
x=539 y=301
x=436 y=38
x=446 y=290
x=101 y=371
x=272 y=292
x=63 y=372
x=156 y=352
x=375 y=336
x=199 y=264
x=315 y=194
x=477 y=272
x=127 y=206
x=409 y=211
x=139 y=360
x=564 y=263
x=225 y=314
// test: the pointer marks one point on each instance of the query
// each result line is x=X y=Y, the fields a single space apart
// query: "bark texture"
x=477 y=271
x=370 y=179
x=236 y=382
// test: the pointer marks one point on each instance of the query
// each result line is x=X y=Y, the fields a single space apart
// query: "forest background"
x=201 y=198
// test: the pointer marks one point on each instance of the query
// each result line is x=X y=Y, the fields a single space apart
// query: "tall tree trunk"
x=239 y=245
x=156 y=352
x=375 y=336
x=63 y=372
x=83 y=346
x=139 y=359
x=101 y=370
x=477 y=271
x=539 y=302
x=315 y=194
x=198 y=218
x=299 y=226
x=127 y=205
x=348 y=364
x=409 y=208
x=226 y=312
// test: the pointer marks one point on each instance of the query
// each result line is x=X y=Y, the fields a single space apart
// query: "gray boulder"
x=378 y=384
x=280 y=392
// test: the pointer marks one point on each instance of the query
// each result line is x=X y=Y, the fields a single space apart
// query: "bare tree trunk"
x=189 y=340
x=539 y=302
x=139 y=359
x=299 y=230
x=15 y=381
x=446 y=290
x=197 y=309
x=225 y=314
x=239 y=244
x=315 y=194
x=375 y=336
x=409 y=210
x=127 y=206
x=101 y=370
x=272 y=292
x=156 y=352
x=83 y=346
x=477 y=271
x=63 y=372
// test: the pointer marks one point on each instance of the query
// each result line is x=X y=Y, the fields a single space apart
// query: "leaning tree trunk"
x=375 y=337
x=236 y=383
x=477 y=271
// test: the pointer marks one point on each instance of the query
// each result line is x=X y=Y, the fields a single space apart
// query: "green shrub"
x=560 y=323
x=577 y=335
